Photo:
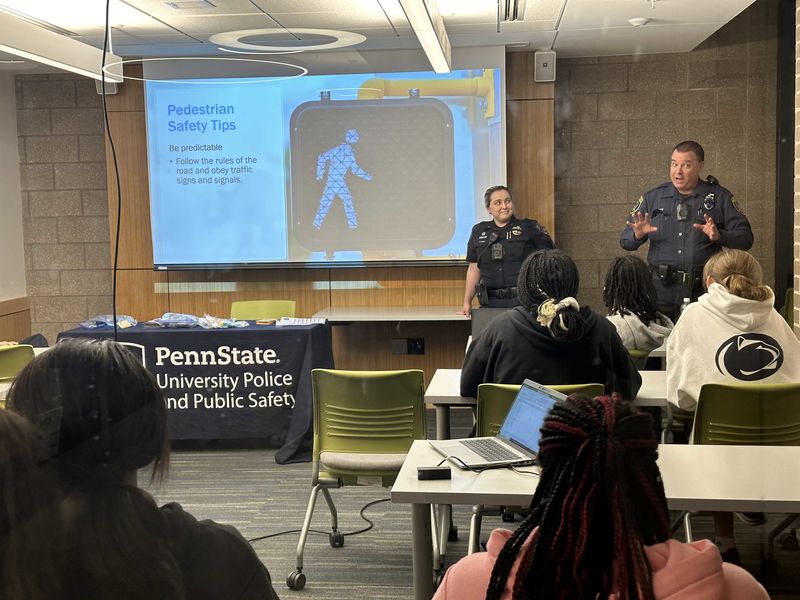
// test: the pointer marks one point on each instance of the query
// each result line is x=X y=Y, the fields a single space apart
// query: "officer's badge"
x=637 y=206
x=736 y=205
x=709 y=201
x=516 y=230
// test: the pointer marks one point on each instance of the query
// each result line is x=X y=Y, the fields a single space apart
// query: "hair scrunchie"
x=548 y=310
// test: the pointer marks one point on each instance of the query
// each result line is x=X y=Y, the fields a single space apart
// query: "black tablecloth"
x=248 y=382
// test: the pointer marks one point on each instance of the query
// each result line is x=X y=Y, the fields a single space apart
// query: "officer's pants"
x=671 y=295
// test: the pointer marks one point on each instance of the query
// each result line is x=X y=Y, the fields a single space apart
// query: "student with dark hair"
x=598 y=525
x=631 y=304
x=550 y=339
x=103 y=417
x=29 y=531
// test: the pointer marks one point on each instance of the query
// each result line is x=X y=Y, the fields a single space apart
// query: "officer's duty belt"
x=669 y=275
x=501 y=293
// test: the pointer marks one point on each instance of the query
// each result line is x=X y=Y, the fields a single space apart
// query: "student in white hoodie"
x=631 y=305
x=732 y=334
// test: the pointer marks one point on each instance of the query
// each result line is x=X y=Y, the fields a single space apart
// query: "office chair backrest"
x=253 y=310
x=495 y=399
x=367 y=411
x=13 y=359
x=755 y=414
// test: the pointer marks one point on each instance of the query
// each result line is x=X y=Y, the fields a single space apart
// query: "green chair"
x=494 y=402
x=364 y=425
x=12 y=360
x=748 y=414
x=787 y=312
x=639 y=357
x=253 y=310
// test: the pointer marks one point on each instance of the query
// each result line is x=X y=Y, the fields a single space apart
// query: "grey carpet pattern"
x=247 y=489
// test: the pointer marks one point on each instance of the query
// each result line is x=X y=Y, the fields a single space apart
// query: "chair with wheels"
x=253 y=310
x=748 y=414
x=12 y=360
x=364 y=425
x=494 y=402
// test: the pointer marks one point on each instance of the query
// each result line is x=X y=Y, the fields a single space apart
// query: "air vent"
x=511 y=10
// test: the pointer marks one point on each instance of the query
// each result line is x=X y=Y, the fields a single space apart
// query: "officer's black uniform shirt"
x=677 y=243
x=518 y=238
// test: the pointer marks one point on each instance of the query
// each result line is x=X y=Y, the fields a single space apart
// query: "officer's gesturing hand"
x=641 y=225
x=709 y=228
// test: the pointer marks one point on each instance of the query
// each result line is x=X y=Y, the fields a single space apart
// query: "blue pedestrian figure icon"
x=338 y=161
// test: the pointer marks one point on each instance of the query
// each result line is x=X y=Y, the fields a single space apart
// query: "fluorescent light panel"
x=21 y=38
x=427 y=23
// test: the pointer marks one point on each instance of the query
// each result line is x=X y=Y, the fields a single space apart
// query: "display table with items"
x=233 y=383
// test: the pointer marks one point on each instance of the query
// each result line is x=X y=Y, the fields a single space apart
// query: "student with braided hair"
x=631 y=304
x=550 y=339
x=598 y=525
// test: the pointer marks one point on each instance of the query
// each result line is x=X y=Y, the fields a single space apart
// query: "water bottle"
x=686 y=302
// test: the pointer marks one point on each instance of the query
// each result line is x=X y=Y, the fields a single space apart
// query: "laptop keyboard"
x=489 y=449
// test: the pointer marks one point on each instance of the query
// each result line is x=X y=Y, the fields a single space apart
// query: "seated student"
x=550 y=338
x=103 y=417
x=630 y=299
x=712 y=343
x=598 y=525
x=29 y=532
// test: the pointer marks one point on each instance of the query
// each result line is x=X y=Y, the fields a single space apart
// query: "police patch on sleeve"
x=736 y=205
x=637 y=206
x=543 y=229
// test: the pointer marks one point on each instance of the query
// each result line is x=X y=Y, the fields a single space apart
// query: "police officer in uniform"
x=496 y=249
x=686 y=221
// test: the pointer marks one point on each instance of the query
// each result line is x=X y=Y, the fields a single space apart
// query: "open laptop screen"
x=527 y=415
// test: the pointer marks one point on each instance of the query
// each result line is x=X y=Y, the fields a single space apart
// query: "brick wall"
x=64 y=201
x=618 y=118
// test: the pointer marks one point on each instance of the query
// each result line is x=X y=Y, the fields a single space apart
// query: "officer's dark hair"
x=599 y=501
x=691 y=146
x=552 y=275
x=495 y=188
x=629 y=289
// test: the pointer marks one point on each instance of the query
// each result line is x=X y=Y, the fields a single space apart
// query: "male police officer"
x=496 y=249
x=686 y=222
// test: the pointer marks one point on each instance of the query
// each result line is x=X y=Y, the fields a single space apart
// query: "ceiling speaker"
x=544 y=70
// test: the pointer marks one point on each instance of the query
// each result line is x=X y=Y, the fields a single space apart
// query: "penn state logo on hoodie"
x=749 y=356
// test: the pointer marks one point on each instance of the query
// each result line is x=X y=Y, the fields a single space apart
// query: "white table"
x=724 y=478
x=444 y=389
x=391 y=313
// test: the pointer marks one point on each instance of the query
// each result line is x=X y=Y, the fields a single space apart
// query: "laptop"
x=517 y=442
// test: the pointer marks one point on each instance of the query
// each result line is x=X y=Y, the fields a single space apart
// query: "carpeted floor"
x=247 y=489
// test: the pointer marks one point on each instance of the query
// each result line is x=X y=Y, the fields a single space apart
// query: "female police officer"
x=496 y=249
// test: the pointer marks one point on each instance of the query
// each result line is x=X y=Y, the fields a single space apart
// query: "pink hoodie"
x=680 y=572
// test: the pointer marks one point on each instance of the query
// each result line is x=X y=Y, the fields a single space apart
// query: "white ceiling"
x=573 y=28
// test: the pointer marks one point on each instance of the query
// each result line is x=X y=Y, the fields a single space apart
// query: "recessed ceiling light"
x=190 y=4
